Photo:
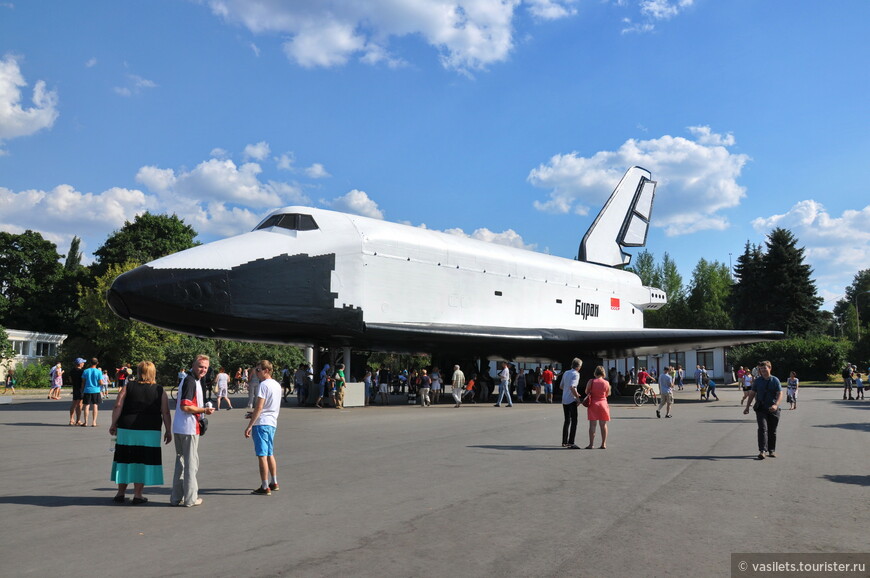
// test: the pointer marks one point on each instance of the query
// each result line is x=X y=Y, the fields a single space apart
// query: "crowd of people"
x=142 y=412
x=141 y=416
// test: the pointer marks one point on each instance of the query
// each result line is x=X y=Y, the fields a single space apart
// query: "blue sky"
x=506 y=120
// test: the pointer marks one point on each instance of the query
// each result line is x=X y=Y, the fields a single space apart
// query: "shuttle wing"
x=549 y=342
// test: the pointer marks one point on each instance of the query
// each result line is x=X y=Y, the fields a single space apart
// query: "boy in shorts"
x=263 y=421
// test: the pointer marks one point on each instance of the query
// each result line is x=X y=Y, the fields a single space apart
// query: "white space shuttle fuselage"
x=313 y=276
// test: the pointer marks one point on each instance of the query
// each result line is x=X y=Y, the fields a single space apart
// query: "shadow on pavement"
x=705 y=458
x=520 y=448
x=855 y=480
x=852 y=426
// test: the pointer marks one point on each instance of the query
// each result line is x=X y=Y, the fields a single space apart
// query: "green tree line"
x=770 y=287
x=39 y=292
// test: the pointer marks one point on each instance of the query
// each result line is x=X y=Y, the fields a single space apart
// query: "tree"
x=676 y=313
x=147 y=238
x=708 y=295
x=775 y=289
x=666 y=277
x=787 y=289
x=74 y=256
x=7 y=352
x=29 y=270
x=63 y=300
x=746 y=307
x=117 y=340
x=855 y=305
x=645 y=268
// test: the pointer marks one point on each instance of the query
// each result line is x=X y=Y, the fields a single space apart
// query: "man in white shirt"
x=504 y=384
x=458 y=385
x=263 y=421
x=186 y=429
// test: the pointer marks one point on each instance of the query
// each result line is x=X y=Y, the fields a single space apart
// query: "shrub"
x=813 y=358
x=33 y=376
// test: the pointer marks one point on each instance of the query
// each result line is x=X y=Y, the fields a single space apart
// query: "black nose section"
x=171 y=298
x=116 y=302
x=279 y=300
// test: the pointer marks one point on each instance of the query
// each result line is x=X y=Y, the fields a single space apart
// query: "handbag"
x=585 y=401
x=203 y=425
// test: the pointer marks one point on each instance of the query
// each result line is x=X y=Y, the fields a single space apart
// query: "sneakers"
x=274 y=487
x=771 y=455
x=262 y=492
x=658 y=414
x=760 y=455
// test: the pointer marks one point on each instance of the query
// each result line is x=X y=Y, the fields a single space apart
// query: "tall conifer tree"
x=787 y=289
x=746 y=308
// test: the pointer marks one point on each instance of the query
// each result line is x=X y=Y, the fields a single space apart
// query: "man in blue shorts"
x=91 y=391
x=263 y=421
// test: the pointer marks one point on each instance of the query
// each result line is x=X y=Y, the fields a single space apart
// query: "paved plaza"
x=475 y=491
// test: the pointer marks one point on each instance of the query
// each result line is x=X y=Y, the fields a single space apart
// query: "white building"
x=31 y=347
x=712 y=359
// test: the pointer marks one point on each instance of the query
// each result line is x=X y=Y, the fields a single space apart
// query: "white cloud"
x=217 y=198
x=316 y=171
x=697 y=179
x=160 y=181
x=356 y=202
x=285 y=161
x=836 y=247
x=258 y=152
x=663 y=9
x=652 y=11
x=551 y=9
x=64 y=212
x=15 y=119
x=468 y=34
x=509 y=237
x=91 y=62
x=134 y=85
x=219 y=180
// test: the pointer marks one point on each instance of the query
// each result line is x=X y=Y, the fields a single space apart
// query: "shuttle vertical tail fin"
x=623 y=222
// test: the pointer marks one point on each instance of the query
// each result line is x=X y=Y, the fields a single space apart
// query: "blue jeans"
x=503 y=390
x=767 y=424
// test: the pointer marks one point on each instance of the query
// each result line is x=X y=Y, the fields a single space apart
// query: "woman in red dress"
x=598 y=390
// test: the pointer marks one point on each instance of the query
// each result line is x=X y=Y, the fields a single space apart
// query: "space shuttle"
x=314 y=277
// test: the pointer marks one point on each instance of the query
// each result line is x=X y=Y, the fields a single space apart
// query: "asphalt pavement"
x=475 y=491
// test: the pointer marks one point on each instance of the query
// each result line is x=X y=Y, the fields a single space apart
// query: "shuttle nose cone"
x=286 y=299
x=176 y=299
x=116 y=301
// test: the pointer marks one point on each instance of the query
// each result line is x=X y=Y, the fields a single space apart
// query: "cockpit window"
x=291 y=221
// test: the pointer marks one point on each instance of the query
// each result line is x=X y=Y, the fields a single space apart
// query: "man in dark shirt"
x=75 y=408
x=767 y=393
